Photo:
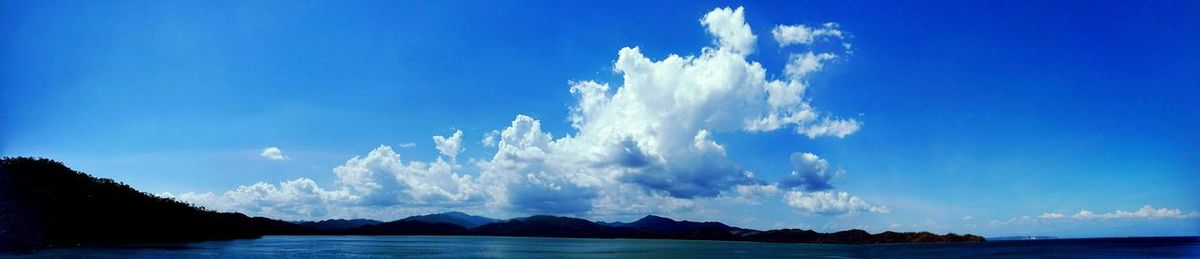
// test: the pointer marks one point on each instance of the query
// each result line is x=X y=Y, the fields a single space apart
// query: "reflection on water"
x=528 y=247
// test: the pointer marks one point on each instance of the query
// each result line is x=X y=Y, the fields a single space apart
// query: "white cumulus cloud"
x=810 y=173
x=646 y=144
x=652 y=136
x=489 y=138
x=273 y=153
x=730 y=29
x=524 y=175
x=830 y=203
x=382 y=179
x=449 y=147
x=378 y=180
x=299 y=198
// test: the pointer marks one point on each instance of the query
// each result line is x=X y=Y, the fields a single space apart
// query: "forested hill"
x=45 y=204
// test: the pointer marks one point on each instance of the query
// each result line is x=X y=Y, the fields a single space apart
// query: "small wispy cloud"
x=274 y=153
x=490 y=138
x=804 y=35
x=1146 y=212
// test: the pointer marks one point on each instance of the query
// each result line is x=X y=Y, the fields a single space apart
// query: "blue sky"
x=998 y=118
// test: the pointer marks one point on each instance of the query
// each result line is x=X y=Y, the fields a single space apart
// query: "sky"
x=1062 y=118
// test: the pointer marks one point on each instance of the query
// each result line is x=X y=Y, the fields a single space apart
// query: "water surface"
x=532 y=247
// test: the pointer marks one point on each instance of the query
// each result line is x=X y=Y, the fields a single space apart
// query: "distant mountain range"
x=432 y=223
x=407 y=227
x=1021 y=238
x=45 y=204
x=337 y=224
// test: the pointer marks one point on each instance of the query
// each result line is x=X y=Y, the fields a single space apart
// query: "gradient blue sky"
x=974 y=113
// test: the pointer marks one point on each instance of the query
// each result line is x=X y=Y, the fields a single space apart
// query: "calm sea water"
x=527 y=247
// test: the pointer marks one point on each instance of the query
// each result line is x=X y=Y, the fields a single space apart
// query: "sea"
x=533 y=247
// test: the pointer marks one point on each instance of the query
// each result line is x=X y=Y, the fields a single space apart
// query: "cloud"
x=757 y=190
x=665 y=112
x=382 y=179
x=378 y=180
x=489 y=138
x=646 y=144
x=301 y=197
x=1146 y=212
x=1054 y=215
x=653 y=135
x=449 y=147
x=800 y=65
x=274 y=153
x=810 y=173
x=1014 y=221
x=730 y=29
x=830 y=203
x=831 y=127
x=408 y=145
x=754 y=193
x=803 y=35
x=523 y=176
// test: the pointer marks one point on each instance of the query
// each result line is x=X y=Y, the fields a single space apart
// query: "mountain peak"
x=452 y=217
x=652 y=216
x=455 y=213
x=655 y=218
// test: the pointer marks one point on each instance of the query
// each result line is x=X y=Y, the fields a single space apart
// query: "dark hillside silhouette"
x=45 y=204
x=552 y=226
x=686 y=229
